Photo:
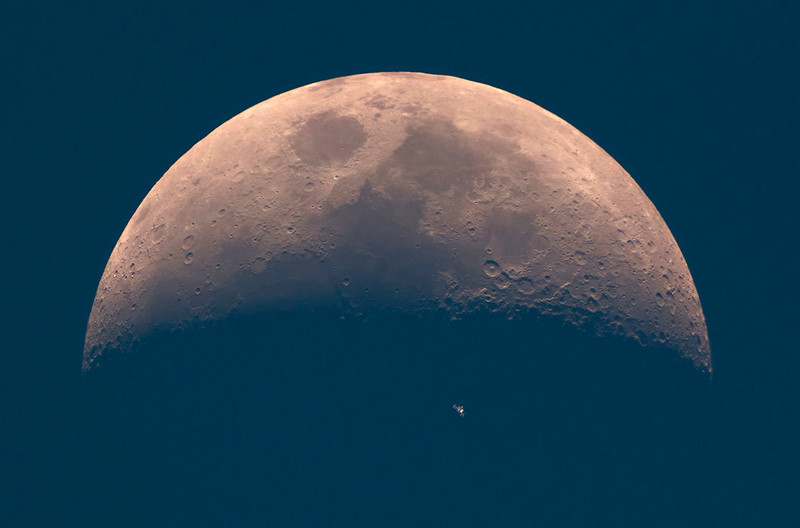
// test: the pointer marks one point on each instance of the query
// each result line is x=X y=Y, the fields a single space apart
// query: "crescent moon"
x=408 y=192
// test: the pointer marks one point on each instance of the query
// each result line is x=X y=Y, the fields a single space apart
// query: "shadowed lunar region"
x=284 y=326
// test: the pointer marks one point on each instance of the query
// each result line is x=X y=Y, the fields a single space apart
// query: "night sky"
x=697 y=101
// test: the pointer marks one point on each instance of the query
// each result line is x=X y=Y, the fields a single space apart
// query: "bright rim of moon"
x=398 y=191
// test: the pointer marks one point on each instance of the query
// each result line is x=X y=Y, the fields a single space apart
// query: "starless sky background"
x=697 y=100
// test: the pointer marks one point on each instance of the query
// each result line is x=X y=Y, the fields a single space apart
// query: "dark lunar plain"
x=697 y=104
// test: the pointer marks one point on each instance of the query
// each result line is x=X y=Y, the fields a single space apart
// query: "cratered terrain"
x=404 y=192
x=363 y=300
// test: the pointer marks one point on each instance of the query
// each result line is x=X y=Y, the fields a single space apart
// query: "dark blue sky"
x=698 y=101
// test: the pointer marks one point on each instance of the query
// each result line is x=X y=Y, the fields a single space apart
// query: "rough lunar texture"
x=398 y=191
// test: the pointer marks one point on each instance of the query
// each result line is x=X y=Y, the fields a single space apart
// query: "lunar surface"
x=401 y=193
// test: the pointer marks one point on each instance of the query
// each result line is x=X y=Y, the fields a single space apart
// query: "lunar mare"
x=402 y=192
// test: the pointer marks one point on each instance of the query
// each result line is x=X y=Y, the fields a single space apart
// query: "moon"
x=396 y=296
x=405 y=193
